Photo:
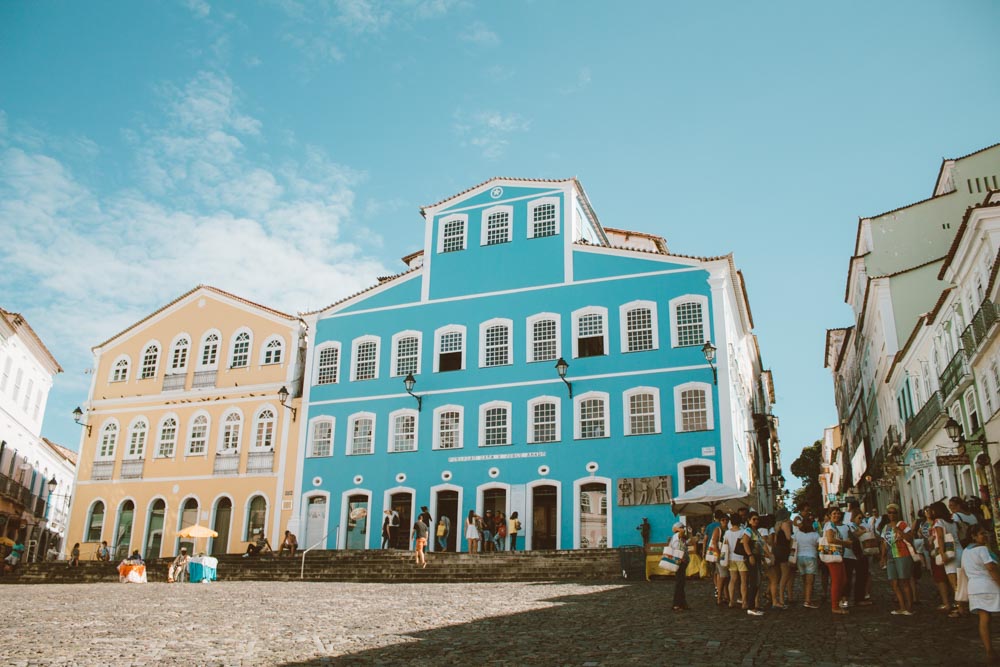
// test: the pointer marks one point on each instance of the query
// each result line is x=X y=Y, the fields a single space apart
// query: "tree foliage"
x=807 y=469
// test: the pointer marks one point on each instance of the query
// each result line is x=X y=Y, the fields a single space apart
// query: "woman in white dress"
x=472 y=532
x=984 y=584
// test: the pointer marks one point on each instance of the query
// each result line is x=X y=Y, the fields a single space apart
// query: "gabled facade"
x=514 y=275
x=29 y=510
x=184 y=425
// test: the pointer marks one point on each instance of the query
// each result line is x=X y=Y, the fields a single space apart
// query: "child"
x=984 y=584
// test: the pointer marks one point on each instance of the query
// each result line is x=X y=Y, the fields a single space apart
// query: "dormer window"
x=452 y=237
x=497 y=225
x=543 y=217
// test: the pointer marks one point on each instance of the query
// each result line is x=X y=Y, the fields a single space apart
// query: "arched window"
x=543 y=337
x=119 y=371
x=452 y=235
x=406 y=353
x=232 y=425
x=494 y=420
x=696 y=475
x=361 y=431
x=328 y=363
x=543 y=217
x=95 y=522
x=639 y=328
x=273 y=351
x=240 y=355
x=198 y=435
x=109 y=440
x=543 y=420
x=496 y=225
x=256 y=517
x=689 y=319
x=495 y=343
x=137 y=439
x=209 y=357
x=642 y=410
x=448 y=427
x=449 y=344
x=591 y=411
x=150 y=359
x=590 y=332
x=168 y=438
x=403 y=432
x=365 y=360
x=179 y=355
x=321 y=437
x=693 y=407
x=264 y=429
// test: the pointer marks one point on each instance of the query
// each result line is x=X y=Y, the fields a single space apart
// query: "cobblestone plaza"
x=267 y=623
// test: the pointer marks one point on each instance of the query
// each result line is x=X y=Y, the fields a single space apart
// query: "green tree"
x=807 y=469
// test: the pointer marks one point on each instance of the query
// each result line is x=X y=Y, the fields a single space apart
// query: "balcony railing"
x=977 y=333
x=174 y=382
x=132 y=469
x=918 y=424
x=954 y=373
x=227 y=463
x=102 y=470
x=204 y=379
x=6 y=486
x=260 y=462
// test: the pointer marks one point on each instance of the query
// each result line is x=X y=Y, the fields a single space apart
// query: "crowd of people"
x=757 y=561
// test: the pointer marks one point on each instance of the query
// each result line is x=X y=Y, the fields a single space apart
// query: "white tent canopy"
x=707 y=497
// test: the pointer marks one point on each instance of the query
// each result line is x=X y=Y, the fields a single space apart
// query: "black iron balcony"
x=919 y=423
x=977 y=333
x=954 y=373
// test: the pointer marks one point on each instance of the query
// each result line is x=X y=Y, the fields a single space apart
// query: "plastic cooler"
x=202 y=569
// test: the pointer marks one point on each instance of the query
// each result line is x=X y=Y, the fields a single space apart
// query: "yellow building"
x=185 y=424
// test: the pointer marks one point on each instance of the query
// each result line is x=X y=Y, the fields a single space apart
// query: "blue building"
x=515 y=275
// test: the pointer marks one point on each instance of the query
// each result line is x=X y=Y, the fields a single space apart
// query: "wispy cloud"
x=200 y=8
x=479 y=33
x=362 y=15
x=582 y=82
x=488 y=131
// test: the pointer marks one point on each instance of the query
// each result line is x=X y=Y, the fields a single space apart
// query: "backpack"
x=963 y=530
x=394 y=522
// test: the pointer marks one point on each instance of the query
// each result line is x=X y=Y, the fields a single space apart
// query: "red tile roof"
x=67 y=454
x=18 y=322
x=381 y=281
x=499 y=178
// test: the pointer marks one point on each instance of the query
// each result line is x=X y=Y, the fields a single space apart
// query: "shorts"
x=899 y=568
x=723 y=571
x=806 y=565
x=421 y=543
x=738 y=566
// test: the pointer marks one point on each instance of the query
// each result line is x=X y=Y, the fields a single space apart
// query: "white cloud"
x=479 y=33
x=362 y=15
x=488 y=131
x=200 y=8
x=582 y=81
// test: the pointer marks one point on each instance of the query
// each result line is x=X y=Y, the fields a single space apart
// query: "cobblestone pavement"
x=302 y=623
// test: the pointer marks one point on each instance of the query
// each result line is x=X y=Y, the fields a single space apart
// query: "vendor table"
x=132 y=573
x=202 y=568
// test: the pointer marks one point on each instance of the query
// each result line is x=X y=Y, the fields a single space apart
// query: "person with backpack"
x=394 y=528
x=963 y=519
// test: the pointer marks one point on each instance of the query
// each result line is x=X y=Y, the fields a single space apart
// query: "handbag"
x=869 y=544
x=671 y=560
x=830 y=553
x=947 y=553
x=440 y=530
x=712 y=553
x=739 y=549
x=724 y=554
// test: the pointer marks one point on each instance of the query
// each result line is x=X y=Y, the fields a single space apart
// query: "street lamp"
x=408 y=382
x=561 y=368
x=77 y=416
x=709 y=351
x=954 y=431
x=283 y=398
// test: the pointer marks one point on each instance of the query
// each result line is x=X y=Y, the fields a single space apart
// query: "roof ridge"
x=496 y=178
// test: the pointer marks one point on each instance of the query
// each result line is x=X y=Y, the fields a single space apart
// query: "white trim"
x=589 y=310
x=387 y=505
x=709 y=407
x=394 y=352
x=403 y=412
x=349 y=444
x=159 y=435
x=100 y=439
x=654 y=323
x=528 y=523
x=304 y=517
x=439 y=333
x=252 y=445
x=460 y=409
x=705 y=317
x=317 y=355
x=268 y=508
x=459 y=529
x=530 y=335
x=484 y=217
x=213 y=515
x=142 y=356
x=627 y=409
x=170 y=370
x=126 y=456
x=89 y=516
x=220 y=444
x=577 y=487
x=342 y=531
x=532 y=205
x=146 y=520
x=263 y=350
x=578 y=401
x=481 y=493
x=693 y=462
x=198 y=366
x=311 y=435
x=532 y=402
x=483 y=327
x=442 y=221
x=232 y=348
x=355 y=344
x=191 y=424
x=482 y=422
x=114 y=365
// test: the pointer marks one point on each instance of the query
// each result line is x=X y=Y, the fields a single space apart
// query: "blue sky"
x=281 y=150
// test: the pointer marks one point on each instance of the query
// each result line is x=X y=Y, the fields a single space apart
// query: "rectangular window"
x=18 y=378
x=365 y=364
x=450 y=358
x=497 y=346
x=497 y=228
x=361 y=437
x=544 y=220
x=689 y=324
x=322 y=438
x=454 y=236
x=328 y=364
x=27 y=396
x=496 y=427
x=694 y=410
x=543 y=422
x=543 y=340
x=970 y=406
x=404 y=434
x=592 y=418
x=407 y=350
x=642 y=414
x=639 y=329
x=590 y=341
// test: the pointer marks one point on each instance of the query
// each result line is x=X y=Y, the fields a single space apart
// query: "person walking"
x=806 y=541
x=513 y=528
x=74 y=556
x=782 y=549
x=831 y=532
x=737 y=562
x=386 y=532
x=983 y=573
x=678 y=542
x=714 y=540
x=897 y=559
x=472 y=531
x=428 y=521
x=420 y=533
x=945 y=572
x=754 y=548
x=443 y=531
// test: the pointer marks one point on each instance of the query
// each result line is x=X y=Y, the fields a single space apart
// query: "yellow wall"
x=176 y=478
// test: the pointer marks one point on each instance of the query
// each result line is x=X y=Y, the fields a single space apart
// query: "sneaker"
x=907 y=613
x=810 y=605
x=843 y=604
x=246 y=555
x=754 y=612
x=898 y=612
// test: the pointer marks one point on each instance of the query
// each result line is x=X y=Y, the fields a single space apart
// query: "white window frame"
x=530 y=335
x=495 y=322
x=442 y=222
x=394 y=353
x=173 y=351
x=340 y=362
x=482 y=422
x=322 y=419
x=190 y=430
x=133 y=429
x=532 y=205
x=578 y=402
x=159 y=435
x=969 y=398
x=687 y=463
x=232 y=347
x=108 y=456
x=709 y=407
x=705 y=318
x=483 y=231
x=439 y=333
x=198 y=365
x=350 y=433
x=623 y=312
x=258 y=423
x=114 y=365
x=627 y=409
x=403 y=412
x=221 y=445
x=589 y=310
x=357 y=343
x=530 y=438
x=264 y=348
x=437 y=426
x=142 y=360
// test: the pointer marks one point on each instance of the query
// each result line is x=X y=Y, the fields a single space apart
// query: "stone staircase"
x=374 y=566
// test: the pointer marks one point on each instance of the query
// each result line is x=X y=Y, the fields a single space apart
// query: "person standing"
x=486 y=530
x=753 y=547
x=472 y=531
x=831 y=531
x=679 y=544
x=443 y=531
x=737 y=562
x=74 y=556
x=386 y=530
x=420 y=533
x=500 y=531
x=897 y=559
x=806 y=541
x=714 y=541
x=981 y=568
x=394 y=528
x=428 y=521
x=644 y=529
x=513 y=528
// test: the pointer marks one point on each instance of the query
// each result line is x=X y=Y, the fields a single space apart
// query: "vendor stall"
x=131 y=572
x=202 y=569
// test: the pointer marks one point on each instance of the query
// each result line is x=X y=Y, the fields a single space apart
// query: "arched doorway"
x=357 y=522
x=154 y=528
x=544 y=503
x=696 y=475
x=223 y=521
x=315 y=520
x=123 y=536
x=402 y=504
x=188 y=517
x=594 y=516
x=446 y=504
